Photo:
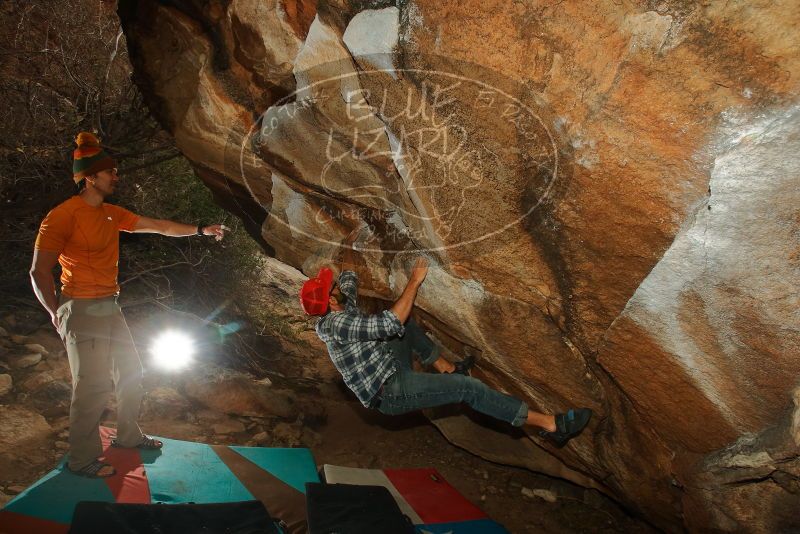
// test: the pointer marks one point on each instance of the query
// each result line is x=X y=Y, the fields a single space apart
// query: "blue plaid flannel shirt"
x=356 y=342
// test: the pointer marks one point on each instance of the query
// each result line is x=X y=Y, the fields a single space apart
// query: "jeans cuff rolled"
x=436 y=351
x=522 y=415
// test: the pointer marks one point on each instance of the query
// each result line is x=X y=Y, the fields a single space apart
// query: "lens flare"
x=172 y=350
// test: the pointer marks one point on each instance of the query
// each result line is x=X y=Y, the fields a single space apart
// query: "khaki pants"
x=101 y=356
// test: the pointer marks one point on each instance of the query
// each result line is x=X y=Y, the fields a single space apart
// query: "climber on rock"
x=374 y=355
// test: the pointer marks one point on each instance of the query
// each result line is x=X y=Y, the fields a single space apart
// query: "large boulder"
x=37 y=382
x=26 y=360
x=6 y=384
x=608 y=196
x=164 y=402
x=52 y=399
x=21 y=428
x=734 y=486
x=236 y=393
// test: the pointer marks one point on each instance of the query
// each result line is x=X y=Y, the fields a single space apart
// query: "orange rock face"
x=609 y=194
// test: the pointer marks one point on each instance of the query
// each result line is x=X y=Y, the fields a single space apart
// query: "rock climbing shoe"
x=462 y=367
x=568 y=425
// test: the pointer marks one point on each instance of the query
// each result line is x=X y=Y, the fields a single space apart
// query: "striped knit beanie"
x=89 y=158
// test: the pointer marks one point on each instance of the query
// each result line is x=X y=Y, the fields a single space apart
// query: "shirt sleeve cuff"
x=396 y=326
x=132 y=226
x=49 y=248
x=348 y=285
x=348 y=277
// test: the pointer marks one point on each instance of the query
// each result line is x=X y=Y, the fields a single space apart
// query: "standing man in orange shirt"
x=82 y=234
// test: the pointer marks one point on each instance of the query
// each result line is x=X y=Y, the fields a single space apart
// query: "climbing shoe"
x=462 y=367
x=568 y=425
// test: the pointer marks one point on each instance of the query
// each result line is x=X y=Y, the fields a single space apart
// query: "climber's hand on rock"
x=419 y=271
x=348 y=254
x=352 y=237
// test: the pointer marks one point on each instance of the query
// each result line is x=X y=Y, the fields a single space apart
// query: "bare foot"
x=443 y=366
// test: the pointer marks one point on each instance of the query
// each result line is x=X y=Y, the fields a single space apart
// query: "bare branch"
x=151 y=163
x=101 y=93
x=163 y=267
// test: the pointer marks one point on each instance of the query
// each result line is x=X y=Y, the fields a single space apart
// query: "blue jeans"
x=408 y=391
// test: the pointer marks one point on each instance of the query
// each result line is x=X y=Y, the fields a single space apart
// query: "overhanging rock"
x=609 y=195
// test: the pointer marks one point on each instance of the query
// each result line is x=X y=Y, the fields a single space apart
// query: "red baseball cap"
x=315 y=292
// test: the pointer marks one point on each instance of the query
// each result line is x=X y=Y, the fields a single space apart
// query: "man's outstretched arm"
x=176 y=229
